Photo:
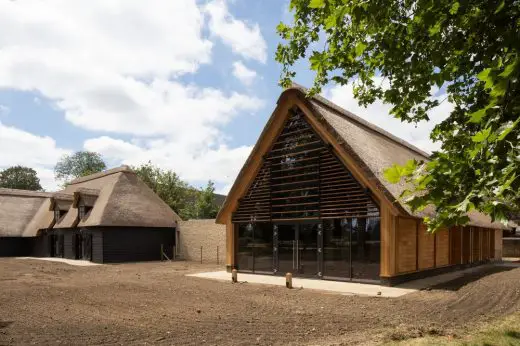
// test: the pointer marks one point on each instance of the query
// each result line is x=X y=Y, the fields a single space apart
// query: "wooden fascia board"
x=255 y=160
x=347 y=159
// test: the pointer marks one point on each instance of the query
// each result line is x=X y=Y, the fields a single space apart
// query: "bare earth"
x=156 y=304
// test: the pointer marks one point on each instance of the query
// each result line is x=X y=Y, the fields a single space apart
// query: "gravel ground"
x=156 y=304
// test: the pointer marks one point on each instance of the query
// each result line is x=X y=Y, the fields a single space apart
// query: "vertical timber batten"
x=388 y=241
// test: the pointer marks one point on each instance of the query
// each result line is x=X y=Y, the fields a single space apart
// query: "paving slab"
x=72 y=262
x=348 y=288
x=353 y=288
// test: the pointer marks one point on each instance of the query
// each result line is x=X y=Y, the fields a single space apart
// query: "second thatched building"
x=105 y=217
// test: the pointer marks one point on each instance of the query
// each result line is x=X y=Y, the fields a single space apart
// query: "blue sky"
x=185 y=84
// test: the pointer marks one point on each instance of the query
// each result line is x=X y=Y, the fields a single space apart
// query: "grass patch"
x=503 y=332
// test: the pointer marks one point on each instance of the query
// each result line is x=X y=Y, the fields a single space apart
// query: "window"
x=57 y=215
x=83 y=211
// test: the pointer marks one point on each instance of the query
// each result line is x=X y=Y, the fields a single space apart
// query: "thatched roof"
x=17 y=208
x=373 y=149
x=43 y=219
x=121 y=199
x=117 y=197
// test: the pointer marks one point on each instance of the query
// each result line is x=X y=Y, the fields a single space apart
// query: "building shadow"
x=467 y=278
x=453 y=281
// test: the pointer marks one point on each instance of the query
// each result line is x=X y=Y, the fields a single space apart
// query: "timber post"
x=288 y=280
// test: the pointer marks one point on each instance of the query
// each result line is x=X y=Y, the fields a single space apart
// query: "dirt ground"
x=156 y=304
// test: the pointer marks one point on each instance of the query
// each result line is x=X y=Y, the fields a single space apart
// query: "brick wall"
x=194 y=234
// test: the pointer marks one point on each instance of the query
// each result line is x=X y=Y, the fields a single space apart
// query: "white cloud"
x=114 y=66
x=19 y=147
x=4 y=110
x=244 y=38
x=220 y=164
x=379 y=114
x=243 y=74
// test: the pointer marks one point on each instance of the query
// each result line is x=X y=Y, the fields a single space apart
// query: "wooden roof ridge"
x=24 y=193
x=353 y=117
x=123 y=168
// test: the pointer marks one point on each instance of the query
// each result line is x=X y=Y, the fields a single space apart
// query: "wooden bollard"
x=288 y=280
x=234 y=276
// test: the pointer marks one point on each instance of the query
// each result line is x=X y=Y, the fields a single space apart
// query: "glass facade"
x=255 y=247
x=342 y=249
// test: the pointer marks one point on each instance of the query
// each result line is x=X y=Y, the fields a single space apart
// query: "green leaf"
x=481 y=136
x=316 y=60
x=483 y=75
x=454 y=8
x=476 y=117
x=360 y=48
x=435 y=29
x=393 y=174
x=317 y=3
x=509 y=69
x=500 y=6
x=499 y=89
x=507 y=128
x=330 y=21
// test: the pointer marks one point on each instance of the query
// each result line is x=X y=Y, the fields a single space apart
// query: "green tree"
x=169 y=187
x=470 y=49
x=205 y=205
x=78 y=165
x=20 y=177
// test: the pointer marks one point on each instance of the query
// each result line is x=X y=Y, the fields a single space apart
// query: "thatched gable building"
x=311 y=199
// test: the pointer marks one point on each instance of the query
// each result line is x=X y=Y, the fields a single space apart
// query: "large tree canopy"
x=78 y=165
x=19 y=177
x=470 y=49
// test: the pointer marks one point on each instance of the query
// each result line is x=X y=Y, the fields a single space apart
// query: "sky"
x=185 y=84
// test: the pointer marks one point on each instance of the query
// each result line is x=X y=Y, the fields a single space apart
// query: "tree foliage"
x=79 y=164
x=20 y=177
x=185 y=200
x=167 y=185
x=469 y=49
x=205 y=205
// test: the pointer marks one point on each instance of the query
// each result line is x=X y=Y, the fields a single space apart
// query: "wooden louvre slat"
x=302 y=179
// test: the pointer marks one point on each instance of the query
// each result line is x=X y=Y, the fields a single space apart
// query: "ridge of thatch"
x=23 y=193
x=94 y=176
x=362 y=122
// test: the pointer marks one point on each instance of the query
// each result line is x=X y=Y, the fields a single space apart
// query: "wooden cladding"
x=301 y=178
x=256 y=202
x=417 y=250
x=471 y=244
